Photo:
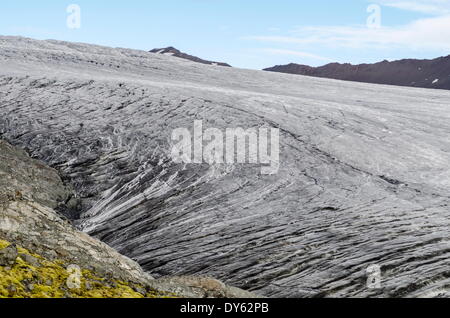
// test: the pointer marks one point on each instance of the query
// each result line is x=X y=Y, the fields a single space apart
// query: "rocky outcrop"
x=8 y=256
x=38 y=246
x=410 y=72
x=29 y=193
x=30 y=275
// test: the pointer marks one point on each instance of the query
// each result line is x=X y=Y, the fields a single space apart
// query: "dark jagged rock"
x=171 y=51
x=8 y=256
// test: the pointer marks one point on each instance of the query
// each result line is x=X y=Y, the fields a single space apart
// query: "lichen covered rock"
x=55 y=279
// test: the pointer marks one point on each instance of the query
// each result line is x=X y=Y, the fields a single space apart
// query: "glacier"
x=363 y=179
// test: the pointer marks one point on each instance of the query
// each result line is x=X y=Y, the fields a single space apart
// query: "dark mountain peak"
x=407 y=72
x=169 y=49
x=177 y=53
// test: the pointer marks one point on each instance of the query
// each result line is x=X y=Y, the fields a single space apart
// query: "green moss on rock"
x=50 y=280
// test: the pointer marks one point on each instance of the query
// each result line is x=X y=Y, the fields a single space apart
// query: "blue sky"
x=246 y=33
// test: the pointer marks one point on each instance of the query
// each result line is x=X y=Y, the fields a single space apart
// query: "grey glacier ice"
x=363 y=181
x=234 y=145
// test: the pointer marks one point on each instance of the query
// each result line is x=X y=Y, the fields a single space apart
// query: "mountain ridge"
x=170 y=50
x=424 y=73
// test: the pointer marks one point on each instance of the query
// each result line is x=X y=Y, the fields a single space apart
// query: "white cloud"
x=437 y=7
x=429 y=33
